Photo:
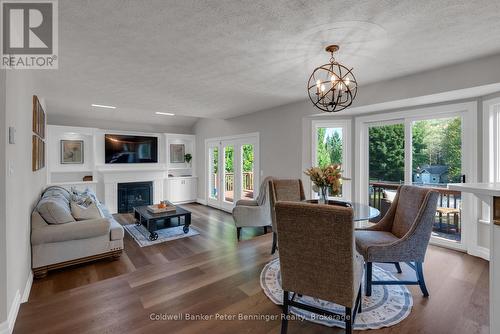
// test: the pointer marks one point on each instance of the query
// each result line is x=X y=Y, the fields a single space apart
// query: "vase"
x=323 y=195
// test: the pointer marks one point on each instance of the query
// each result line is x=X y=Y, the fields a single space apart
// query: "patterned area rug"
x=141 y=234
x=387 y=306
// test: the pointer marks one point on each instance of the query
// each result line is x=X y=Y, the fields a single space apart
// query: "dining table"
x=360 y=211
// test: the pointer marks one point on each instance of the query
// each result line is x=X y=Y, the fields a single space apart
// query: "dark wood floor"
x=213 y=274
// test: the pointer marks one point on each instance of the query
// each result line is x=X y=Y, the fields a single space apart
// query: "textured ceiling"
x=221 y=59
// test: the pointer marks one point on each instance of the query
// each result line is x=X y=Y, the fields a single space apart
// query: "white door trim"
x=237 y=141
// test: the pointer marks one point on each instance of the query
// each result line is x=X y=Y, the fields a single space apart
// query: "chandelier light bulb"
x=322 y=88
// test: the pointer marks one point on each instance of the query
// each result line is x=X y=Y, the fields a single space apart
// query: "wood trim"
x=41 y=272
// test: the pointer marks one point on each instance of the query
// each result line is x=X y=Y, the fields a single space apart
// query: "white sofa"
x=59 y=245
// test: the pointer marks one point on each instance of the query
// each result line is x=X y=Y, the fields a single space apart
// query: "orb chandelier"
x=332 y=87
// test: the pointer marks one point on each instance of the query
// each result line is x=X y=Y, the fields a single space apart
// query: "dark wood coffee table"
x=152 y=220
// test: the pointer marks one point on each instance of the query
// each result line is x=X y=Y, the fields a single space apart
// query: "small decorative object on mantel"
x=87 y=178
x=332 y=87
x=324 y=179
x=177 y=153
x=71 y=151
x=188 y=157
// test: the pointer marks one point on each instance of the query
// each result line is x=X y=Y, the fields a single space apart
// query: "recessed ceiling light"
x=103 y=106
x=164 y=113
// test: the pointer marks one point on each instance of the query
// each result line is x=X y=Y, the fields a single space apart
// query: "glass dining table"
x=361 y=211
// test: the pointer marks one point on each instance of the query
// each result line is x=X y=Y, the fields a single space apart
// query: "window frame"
x=346 y=126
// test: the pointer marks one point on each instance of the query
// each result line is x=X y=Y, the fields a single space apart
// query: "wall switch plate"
x=12 y=135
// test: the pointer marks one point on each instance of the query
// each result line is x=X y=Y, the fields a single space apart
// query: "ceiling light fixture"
x=164 y=113
x=332 y=87
x=103 y=106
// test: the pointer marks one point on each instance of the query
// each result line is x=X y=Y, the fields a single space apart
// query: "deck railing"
x=247 y=181
x=449 y=205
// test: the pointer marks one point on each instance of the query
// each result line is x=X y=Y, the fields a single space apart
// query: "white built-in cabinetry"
x=182 y=189
x=176 y=182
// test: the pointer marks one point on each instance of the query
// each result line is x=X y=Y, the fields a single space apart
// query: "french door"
x=429 y=149
x=232 y=170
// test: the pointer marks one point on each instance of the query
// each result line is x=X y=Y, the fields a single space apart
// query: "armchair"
x=283 y=190
x=254 y=213
x=318 y=258
x=402 y=235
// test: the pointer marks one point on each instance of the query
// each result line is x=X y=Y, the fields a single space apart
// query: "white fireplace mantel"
x=111 y=179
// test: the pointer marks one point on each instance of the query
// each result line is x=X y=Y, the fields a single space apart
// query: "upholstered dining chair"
x=283 y=190
x=254 y=213
x=318 y=258
x=402 y=235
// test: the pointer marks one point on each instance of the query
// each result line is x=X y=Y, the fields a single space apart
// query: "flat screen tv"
x=121 y=149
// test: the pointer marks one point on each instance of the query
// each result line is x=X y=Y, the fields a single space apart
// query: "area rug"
x=387 y=306
x=141 y=234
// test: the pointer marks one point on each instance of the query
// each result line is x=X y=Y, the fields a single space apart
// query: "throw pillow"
x=83 y=212
x=54 y=210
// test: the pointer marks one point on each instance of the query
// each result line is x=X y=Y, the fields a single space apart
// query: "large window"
x=430 y=148
x=331 y=145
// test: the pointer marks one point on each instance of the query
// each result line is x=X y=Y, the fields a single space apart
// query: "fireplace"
x=134 y=194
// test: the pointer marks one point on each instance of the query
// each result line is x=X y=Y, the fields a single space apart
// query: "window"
x=331 y=145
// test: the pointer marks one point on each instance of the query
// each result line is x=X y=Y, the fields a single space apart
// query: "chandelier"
x=332 y=87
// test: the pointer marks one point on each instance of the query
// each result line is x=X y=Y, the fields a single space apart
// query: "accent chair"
x=318 y=258
x=290 y=190
x=254 y=213
x=402 y=235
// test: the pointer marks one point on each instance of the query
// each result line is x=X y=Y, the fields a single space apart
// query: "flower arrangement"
x=324 y=179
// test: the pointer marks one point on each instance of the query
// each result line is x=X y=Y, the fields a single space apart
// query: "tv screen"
x=120 y=149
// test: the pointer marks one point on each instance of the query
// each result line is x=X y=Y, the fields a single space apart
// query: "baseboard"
x=27 y=288
x=481 y=252
x=7 y=326
x=201 y=201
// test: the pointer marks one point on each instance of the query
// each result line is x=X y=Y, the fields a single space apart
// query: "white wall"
x=22 y=185
x=285 y=130
x=280 y=139
x=3 y=240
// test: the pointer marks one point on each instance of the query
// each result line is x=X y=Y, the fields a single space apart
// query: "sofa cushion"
x=84 y=212
x=55 y=209
x=72 y=231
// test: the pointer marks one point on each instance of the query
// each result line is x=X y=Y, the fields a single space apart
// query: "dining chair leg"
x=265 y=229
x=368 y=281
x=275 y=241
x=284 y=321
x=238 y=233
x=348 y=320
x=398 y=267
x=420 y=276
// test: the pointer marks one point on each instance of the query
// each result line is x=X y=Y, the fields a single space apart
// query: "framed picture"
x=38 y=154
x=38 y=118
x=71 y=151
x=177 y=153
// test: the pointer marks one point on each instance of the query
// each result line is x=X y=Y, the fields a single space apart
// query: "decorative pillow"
x=54 y=210
x=83 y=212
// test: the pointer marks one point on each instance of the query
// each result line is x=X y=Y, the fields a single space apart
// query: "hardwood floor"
x=211 y=274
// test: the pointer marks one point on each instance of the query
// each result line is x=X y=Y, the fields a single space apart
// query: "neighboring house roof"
x=435 y=169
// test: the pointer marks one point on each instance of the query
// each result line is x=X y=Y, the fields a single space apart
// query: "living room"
x=250 y=167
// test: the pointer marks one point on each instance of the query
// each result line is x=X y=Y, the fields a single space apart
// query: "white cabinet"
x=181 y=189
